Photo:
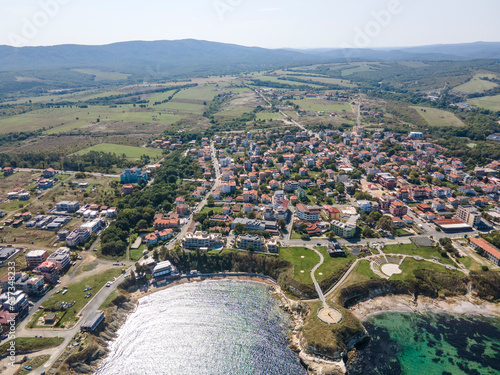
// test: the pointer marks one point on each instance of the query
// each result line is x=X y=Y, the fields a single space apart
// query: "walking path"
x=313 y=277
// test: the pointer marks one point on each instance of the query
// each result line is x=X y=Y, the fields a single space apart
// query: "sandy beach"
x=405 y=303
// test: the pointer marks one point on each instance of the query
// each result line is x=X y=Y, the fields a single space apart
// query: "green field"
x=176 y=106
x=331 y=265
x=487 y=102
x=56 y=120
x=103 y=76
x=476 y=84
x=30 y=344
x=438 y=117
x=409 y=265
x=129 y=151
x=75 y=293
x=269 y=116
x=294 y=255
x=205 y=93
x=285 y=82
x=427 y=252
x=333 y=81
x=470 y=263
x=316 y=105
x=34 y=363
x=358 y=68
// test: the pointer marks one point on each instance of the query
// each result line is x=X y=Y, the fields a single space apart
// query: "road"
x=67 y=334
x=204 y=201
x=309 y=132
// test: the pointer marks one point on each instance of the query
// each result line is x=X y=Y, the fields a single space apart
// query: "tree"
x=385 y=223
x=210 y=201
x=340 y=188
x=251 y=215
x=282 y=224
x=239 y=228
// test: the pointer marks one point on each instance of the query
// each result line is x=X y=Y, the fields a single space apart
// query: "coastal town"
x=328 y=196
x=349 y=192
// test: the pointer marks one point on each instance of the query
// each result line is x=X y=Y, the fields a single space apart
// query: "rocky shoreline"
x=467 y=304
x=315 y=364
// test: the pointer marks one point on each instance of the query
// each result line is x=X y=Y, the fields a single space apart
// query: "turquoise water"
x=430 y=344
x=207 y=328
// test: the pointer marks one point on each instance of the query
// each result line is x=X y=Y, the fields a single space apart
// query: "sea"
x=205 y=328
x=429 y=344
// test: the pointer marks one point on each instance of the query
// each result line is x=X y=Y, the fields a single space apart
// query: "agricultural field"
x=201 y=93
x=487 y=102
x=333 y=81
x=285 y=82
x=269 y=116
x=129 y=151
x=438 y=117
x=358 y=68
x=103 y=76
x=177 y=107
x=316 y=105
x=58 y=120
x=476 y=84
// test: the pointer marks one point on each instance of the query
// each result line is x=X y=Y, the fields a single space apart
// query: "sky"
x=262 y=23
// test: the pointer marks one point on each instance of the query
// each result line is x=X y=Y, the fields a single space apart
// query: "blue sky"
x=270 y=24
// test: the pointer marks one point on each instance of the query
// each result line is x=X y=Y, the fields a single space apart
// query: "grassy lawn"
x=401 y=232
x=427 y=252
x=438 y=117
x=129 y=151
x=409 y=265
x=34 y=363
x=303 y=259
x=470 y=263
x=136 y=254
x=331 y=265
x=214 y=209
x=476 y=84
x=108 y=300
x=75 y=293
x=30 y=344
x=487 y=102
x=361 y=273
x=296 y=236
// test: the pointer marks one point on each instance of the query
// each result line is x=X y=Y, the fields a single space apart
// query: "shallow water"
x=207 y=328
x=430 y=344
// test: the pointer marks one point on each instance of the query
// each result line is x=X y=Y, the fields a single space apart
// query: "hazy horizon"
x=267 y=24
